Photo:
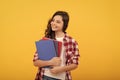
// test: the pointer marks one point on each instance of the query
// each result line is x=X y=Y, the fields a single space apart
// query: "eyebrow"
x=57 y=20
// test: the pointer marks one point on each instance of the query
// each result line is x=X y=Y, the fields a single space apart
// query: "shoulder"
x=70 y=39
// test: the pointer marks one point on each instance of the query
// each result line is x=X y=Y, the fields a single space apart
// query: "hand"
x=56 y=70
x=55 y=61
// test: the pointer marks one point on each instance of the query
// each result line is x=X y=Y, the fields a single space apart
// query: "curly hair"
x=65 y=17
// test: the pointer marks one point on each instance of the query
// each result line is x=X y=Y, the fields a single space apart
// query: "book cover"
x=46 y=49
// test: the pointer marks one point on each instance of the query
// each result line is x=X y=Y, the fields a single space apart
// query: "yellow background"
x=95 y=24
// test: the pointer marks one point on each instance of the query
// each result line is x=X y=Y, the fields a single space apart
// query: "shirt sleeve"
x=76 y=54
x=35 y=56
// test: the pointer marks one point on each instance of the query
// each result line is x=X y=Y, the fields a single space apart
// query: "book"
x=58 y=45
x=59 y=48
x=46 y=49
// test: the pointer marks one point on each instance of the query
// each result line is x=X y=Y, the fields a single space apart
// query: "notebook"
x=46 y=49
x=59 y=48
x=58 y=45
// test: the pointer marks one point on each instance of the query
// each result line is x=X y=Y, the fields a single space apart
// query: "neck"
x=59 y=34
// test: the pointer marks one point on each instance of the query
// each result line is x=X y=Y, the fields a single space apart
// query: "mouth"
x=54 y=28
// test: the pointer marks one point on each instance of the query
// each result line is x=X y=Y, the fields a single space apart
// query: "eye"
x=58 y=21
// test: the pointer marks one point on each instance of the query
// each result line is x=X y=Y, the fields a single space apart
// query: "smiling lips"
x=54 y=27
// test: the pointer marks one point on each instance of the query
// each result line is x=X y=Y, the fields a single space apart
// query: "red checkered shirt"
x=72 y=55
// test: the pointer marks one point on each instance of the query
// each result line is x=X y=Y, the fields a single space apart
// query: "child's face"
x=57 y=23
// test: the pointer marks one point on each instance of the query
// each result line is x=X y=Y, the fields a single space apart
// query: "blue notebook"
x=46 y=49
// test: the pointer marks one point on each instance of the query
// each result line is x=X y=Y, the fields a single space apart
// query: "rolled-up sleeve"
x=75 y=53
x=35 y=56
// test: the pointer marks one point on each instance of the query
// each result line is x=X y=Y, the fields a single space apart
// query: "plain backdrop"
x=95 y=24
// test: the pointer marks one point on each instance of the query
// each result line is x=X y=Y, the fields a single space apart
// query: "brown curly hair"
x=65 y=17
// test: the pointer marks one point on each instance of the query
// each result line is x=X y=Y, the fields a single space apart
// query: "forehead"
x=57 y=17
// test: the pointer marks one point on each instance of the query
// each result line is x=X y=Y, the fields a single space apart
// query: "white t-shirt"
x=62 y=56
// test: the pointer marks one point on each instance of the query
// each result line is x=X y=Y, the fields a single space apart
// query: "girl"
x=68 y=60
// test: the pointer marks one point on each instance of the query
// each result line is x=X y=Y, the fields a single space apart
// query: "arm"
x=69 y=67
x=41 y=63
x=59 y=69
x=55 y=61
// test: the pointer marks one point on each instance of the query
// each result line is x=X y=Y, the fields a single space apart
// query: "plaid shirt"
x=72 y=55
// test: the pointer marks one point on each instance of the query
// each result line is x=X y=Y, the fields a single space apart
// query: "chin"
x=54 y=30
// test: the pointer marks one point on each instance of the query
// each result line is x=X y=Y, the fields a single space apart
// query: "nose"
x=53 y=23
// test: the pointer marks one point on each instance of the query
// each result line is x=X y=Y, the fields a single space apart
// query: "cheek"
x=61 y=26
x=51 y=23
